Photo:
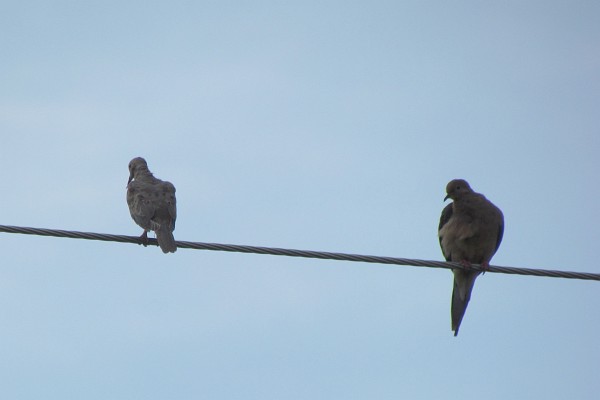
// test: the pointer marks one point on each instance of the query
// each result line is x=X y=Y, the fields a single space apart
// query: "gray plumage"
x=152 y=204
x=470 y=232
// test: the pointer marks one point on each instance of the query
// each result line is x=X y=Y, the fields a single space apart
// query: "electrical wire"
x=300 y=253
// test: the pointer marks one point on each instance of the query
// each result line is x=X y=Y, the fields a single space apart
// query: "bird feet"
x=485 y=266
x=144 y=238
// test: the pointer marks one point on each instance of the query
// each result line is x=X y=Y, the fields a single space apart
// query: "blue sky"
x=329 y=126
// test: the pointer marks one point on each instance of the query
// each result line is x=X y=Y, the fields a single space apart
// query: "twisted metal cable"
x=299 y=253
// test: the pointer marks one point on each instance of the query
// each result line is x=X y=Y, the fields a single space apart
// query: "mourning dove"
x=152 y=204
x=470 y=232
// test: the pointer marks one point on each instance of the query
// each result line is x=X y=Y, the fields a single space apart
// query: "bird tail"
x=165 y=239
x=461 y=294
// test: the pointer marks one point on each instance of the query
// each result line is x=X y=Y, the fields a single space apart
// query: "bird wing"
x=142 y=203
x=500 y=234
x=169 y=201
x=444 y=218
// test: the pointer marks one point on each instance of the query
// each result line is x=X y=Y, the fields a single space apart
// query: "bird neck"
x=144 y=174
x=467 y=200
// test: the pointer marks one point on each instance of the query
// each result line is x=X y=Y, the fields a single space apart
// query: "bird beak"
x=130 y=179
x=447 y=197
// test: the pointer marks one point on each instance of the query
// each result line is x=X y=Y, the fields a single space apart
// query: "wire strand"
x=299 y=253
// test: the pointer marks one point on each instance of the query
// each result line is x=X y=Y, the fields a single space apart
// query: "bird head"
x=456 y=188
x=136 y=164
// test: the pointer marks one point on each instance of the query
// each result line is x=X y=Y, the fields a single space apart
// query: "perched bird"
x=152 y=204
x=470 y=232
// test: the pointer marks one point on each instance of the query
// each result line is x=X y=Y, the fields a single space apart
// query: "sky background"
x=320 y=125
